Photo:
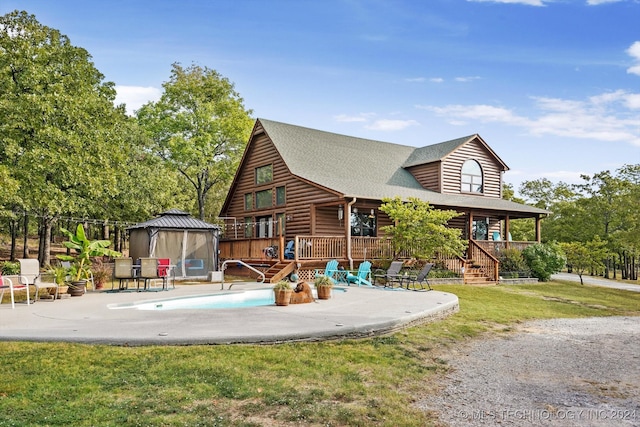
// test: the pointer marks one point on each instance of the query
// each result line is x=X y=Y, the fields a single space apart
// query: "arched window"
x=471 y=181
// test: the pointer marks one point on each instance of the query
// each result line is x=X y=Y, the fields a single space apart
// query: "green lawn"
x=368 y=382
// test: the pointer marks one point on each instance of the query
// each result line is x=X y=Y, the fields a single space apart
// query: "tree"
x=54 y=103
x=583 y=257
x=200 y=127
x=420 y=229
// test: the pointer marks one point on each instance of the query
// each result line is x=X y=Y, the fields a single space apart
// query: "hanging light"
x=340 y=213
x=373 y=214
x=355 y=211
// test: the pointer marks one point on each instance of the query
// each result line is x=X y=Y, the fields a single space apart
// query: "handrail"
x=485 y=259
x=224 y=266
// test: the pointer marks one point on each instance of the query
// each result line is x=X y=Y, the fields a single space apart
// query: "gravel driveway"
x=561 y=372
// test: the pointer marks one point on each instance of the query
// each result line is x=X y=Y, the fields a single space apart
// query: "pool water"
x=251 y=298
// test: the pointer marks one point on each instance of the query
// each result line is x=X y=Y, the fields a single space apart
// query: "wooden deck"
x=481 y=264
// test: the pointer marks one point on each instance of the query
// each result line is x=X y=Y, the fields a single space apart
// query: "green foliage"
x=420 y=230
x=512 y=260
x=65 y=149
x=544 y=259
x=85 y=249
x=200 y=127
x=10 y=268
x=282 y=285
x=582 y=257
x=323 y=281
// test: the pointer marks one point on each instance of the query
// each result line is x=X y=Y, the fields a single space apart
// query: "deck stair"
x=476 y=275
x=279 y=271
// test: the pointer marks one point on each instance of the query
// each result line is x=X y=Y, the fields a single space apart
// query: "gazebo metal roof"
x=176 y=219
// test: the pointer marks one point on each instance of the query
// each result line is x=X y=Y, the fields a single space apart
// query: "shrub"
x=10 y=268
x=512 y=260
x=544 y=260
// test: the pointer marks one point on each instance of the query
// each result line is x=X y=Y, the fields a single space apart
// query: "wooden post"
x=506 y=231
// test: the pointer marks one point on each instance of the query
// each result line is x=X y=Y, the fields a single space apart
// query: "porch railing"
x=309 y=248
x=247 y=248
x=496 y=247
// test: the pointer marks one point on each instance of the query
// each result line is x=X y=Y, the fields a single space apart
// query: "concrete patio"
x=358 y=312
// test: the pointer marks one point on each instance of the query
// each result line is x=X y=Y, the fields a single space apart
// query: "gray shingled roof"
x=175 y=219
x=435 y=152
x=369 y=169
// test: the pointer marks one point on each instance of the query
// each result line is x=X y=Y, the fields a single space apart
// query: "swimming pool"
x=240 y=299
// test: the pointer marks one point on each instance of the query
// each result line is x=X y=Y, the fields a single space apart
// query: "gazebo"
x=190 y=244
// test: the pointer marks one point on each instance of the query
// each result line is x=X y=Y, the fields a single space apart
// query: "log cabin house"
x=322 y=191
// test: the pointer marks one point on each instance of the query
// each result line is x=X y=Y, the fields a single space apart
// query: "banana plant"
x=85 y=249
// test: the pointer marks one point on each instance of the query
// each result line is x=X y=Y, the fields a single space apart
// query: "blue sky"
x=553 y=86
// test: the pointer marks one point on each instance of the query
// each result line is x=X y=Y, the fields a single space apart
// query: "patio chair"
x=7 y=283
x=148 y=272
x=330 y=270
x=362 y=276
x=420 y=279
x=164 y=270
x=123 y=271
x=288 y=250
x=391 y=276
x=30 y=275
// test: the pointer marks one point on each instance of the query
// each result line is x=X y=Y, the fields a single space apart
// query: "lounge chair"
x=362 y=277
x=330 y=270
x=288 y=250
x=412 y=282
x=30 y=275
x=7 y=283
x=391 y=276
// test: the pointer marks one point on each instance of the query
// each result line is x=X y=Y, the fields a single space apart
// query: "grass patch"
x=368 y=382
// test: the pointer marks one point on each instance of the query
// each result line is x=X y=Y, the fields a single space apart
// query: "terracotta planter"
x=324 y=292
x=283 y=296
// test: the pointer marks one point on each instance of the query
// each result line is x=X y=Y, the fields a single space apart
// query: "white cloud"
x=598 y=2
x=525 y=2
x=136 y=96
x=462 y=114
x=436 y=80
x=467 y=79
x=606 y=117
x=634 y=52
x=415 y=79
x=362 y=117
x=392 y=125
x=633 y=101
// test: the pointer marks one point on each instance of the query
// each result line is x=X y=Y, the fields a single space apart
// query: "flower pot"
x=62 y=289
x=283 y=296
x=78 y=288
x=324 y=292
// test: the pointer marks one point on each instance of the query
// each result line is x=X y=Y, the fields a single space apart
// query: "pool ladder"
x=237 y=261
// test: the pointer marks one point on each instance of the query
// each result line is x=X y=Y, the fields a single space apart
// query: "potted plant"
x=283 y=291
x=85 y=248
x=101 y=273
x=59 y=275
x=323 y=286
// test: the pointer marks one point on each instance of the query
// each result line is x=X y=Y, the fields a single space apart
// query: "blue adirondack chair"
x=362 y=276
x=330 y=270
x=288 y=250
